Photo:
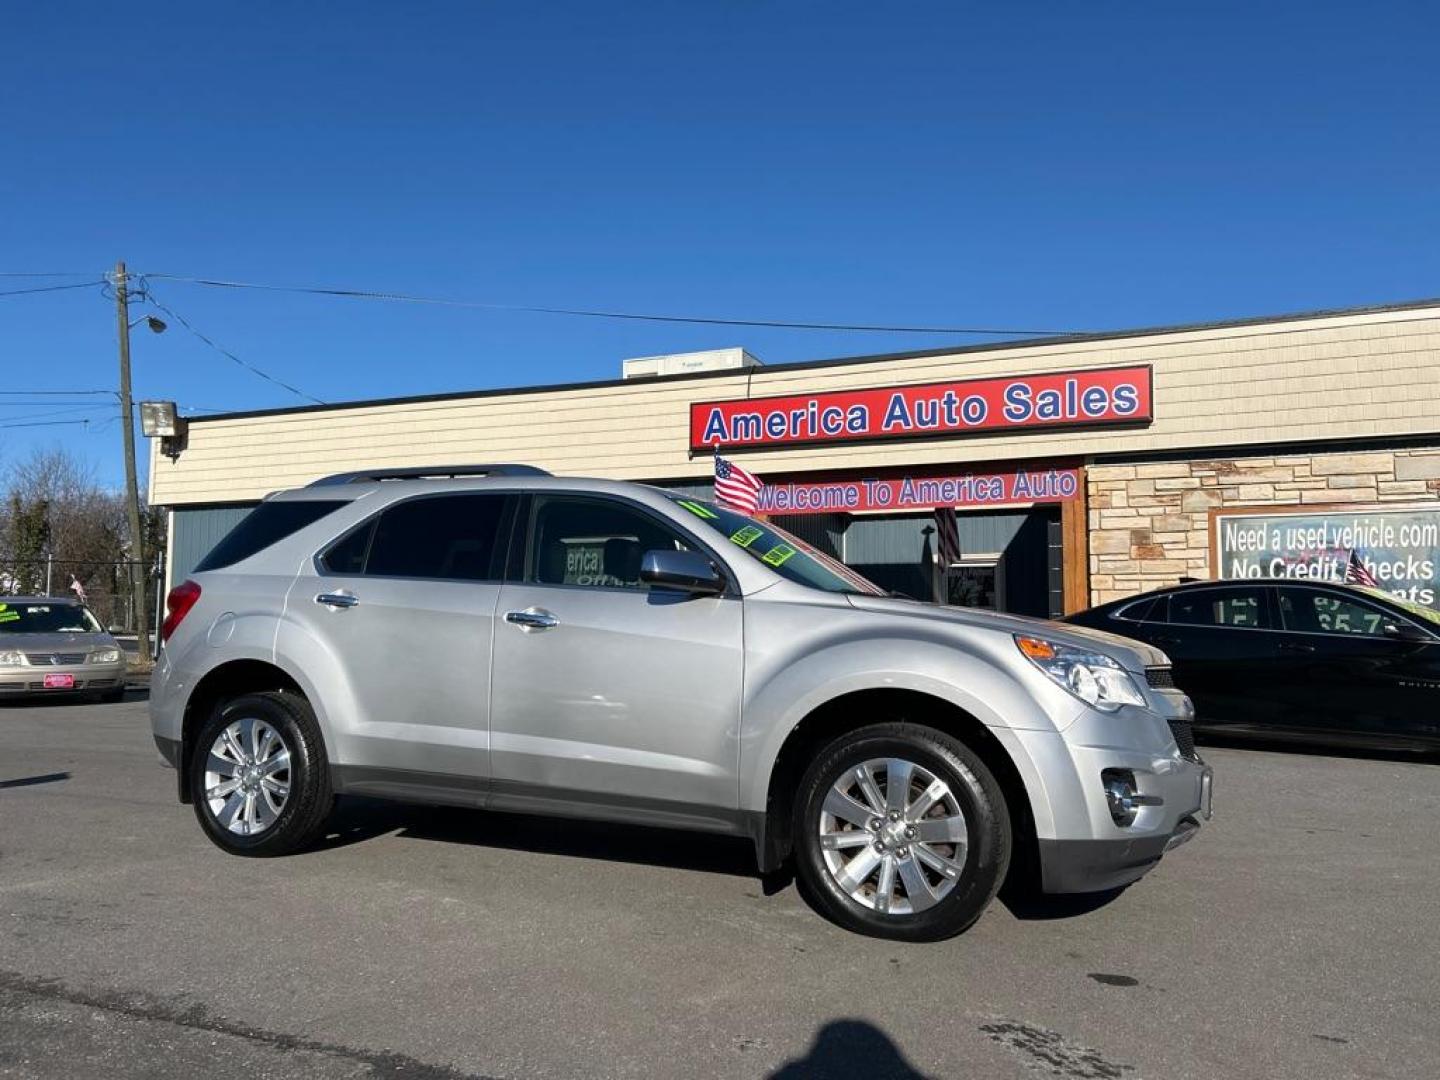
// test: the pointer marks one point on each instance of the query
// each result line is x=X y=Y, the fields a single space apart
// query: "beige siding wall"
x=1344 y=376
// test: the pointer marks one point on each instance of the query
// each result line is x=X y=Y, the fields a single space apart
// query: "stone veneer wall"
x=1150 y=524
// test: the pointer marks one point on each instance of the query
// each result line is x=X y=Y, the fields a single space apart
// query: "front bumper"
x=1085 y=849
x=1080 y=866
x=85 y=678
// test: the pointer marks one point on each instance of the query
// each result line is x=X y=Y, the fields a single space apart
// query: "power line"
x=228 y=354
x=46 y=423
x=54 y=288
x=406 y=298
x=51 y=393
x=51 y=274
x=42 y=403
x=55 y=412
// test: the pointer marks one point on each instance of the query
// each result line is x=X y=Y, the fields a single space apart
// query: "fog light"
x=1123 y=796
x=1120 y=794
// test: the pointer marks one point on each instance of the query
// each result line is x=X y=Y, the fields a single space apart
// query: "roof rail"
x=419 y=472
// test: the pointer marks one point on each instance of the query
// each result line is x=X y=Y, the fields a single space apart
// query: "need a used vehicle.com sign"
x=1400 y=547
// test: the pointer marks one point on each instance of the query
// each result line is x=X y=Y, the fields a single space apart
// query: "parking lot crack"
x=141 y=1006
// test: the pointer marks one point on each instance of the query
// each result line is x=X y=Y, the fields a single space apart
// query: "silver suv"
x=492 y=636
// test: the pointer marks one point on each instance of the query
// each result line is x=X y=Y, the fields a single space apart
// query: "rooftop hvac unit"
x=649 y=367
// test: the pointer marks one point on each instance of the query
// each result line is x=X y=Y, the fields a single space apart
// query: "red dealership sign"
x=1006 y=487
x=1119 y=395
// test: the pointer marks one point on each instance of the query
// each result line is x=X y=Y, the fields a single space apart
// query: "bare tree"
x=54 y=512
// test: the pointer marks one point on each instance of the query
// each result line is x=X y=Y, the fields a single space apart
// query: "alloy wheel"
x=893 y=836
x=247 y=776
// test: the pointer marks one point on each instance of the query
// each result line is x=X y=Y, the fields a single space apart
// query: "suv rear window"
x=268 y=523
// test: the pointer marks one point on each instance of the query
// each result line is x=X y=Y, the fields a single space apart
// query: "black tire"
x=310 y=797
x=975 y=791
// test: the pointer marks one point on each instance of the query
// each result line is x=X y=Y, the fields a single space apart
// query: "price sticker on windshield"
x=746 y=536
x=700 y=510
x=777 y=555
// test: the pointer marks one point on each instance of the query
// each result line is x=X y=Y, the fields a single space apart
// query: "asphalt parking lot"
x=1296 y=937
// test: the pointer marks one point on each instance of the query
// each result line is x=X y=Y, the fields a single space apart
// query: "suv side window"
x=1314 y=612
x=1239 y=607
x=453 y=537
x=347 y=556
x=598 y=543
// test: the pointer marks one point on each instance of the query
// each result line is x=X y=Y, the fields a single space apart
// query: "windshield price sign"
x=1119 y=395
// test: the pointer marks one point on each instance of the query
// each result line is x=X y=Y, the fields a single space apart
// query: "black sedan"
x=1291 y=659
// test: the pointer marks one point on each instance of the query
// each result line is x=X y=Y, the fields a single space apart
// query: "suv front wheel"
x=901 y=832
x=258 y=777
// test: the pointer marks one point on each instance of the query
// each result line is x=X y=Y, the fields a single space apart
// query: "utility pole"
x=132 y=492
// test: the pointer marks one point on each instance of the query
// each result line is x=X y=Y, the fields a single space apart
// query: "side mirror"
x=687 y=571
x=1404 y=631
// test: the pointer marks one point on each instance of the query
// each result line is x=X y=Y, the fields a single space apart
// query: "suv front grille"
x=45 y=659
x=1184 y=738
x=1160 y=678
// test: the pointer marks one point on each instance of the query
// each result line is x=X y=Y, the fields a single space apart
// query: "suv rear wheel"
x=259 y=778
x=901 y=832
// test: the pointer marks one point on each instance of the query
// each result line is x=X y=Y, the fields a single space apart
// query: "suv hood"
x=1135 y=655
x=55 y=642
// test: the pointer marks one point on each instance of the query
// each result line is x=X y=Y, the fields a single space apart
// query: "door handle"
x=1165 y=639
x=533 y=618
x=337 y=600
x=1296 y=646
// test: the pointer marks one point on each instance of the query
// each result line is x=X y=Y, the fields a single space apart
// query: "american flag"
x=1356 y=572
x=947 y=529
x=736 y=488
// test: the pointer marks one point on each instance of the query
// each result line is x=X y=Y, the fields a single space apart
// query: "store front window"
x=977 y=585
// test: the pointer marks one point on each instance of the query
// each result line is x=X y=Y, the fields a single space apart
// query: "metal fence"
x=105 y=586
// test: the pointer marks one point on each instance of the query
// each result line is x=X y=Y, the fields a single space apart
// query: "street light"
x=157 y=326
x=161 y=420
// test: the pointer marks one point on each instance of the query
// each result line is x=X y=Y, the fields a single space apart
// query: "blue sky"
x=1041 y=166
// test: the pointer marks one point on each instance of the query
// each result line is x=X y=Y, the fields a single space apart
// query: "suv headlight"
x=12 y=658
x=1092 y=677
x=105 y=656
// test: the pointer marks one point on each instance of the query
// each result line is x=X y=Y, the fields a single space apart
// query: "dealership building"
x=1081 y=469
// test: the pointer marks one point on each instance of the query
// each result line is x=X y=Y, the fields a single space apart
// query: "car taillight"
x=182 y=598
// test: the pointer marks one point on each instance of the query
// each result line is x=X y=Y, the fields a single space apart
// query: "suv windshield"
x=787 y=555
x=46 y=619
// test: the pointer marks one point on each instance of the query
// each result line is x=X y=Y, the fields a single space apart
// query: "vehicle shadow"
x=845 y=1049
x=1029 y=904
x=57 y=700
x=1308 y=748
x=357 y=819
